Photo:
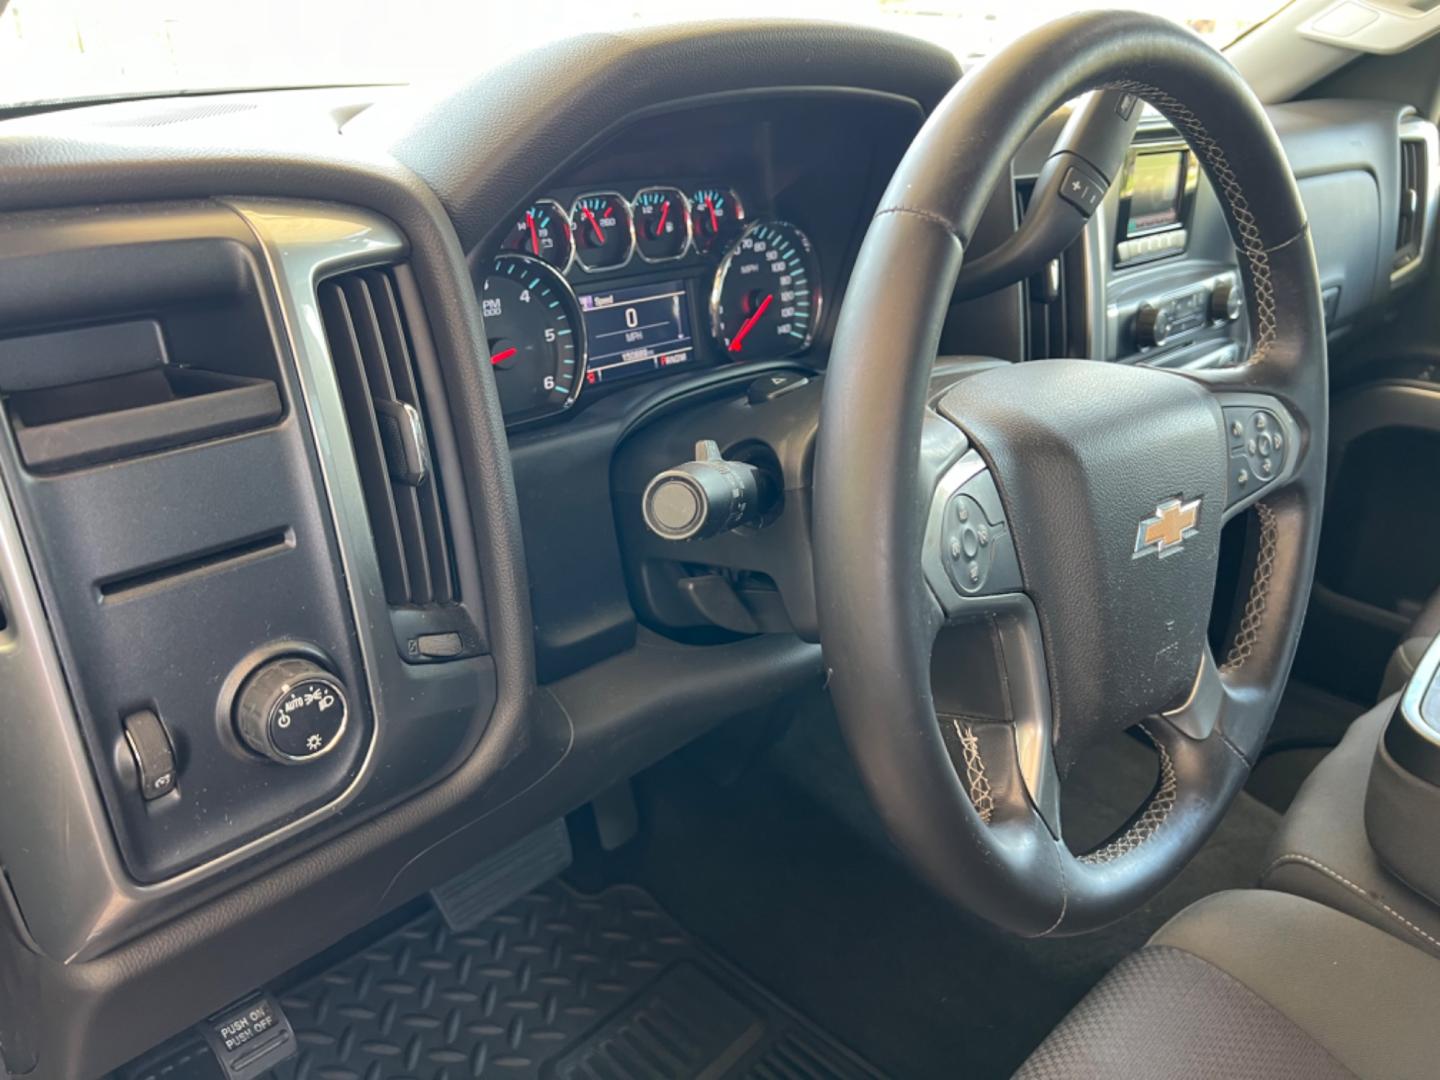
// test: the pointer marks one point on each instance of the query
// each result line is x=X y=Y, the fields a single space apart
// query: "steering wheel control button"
x=1081 y=190
x=1257 y=448
x=976 y=548
x=970 y=544
x=291 y=711
x=702 y=498
x=966 y=560
x=153 y=754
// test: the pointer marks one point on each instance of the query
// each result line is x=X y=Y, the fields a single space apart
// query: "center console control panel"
x=1164 y=320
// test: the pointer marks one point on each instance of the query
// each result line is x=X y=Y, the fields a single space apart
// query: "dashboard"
x=349 y=399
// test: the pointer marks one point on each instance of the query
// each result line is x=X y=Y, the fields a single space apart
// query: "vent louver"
x=369 y=331
x=1410 y=235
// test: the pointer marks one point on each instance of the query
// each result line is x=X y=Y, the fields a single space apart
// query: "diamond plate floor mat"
x=558 y=985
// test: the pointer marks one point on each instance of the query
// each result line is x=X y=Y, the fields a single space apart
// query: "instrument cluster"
x=607 y=285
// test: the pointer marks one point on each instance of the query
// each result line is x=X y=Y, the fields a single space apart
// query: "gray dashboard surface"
x=1356 y=140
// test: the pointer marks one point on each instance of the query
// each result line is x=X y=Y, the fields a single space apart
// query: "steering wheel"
x=1016 y=565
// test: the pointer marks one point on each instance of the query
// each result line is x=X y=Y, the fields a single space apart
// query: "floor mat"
x=789 y=873
x=558 y=985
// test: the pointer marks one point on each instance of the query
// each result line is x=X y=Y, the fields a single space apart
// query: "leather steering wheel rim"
x=972 y=804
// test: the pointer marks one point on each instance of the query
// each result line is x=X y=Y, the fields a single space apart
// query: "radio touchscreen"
x=1155 y=192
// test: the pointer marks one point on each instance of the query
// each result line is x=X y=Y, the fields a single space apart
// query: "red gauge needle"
x=594 y=225
x=534 y=232
x=660 y=225
x=500 y=357
x=749 y=324
x=714 y=221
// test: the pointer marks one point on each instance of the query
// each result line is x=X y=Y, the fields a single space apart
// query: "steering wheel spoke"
x=988 y=672
x=1199 y=713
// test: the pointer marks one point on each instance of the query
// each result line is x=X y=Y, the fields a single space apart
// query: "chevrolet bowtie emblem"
x=1165 y=533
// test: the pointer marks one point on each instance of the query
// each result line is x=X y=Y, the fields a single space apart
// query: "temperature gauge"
x=604 y=232
x=543 y=231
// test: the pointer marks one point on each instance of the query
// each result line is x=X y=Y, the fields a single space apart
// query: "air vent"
x=1412 y=186
x=1418 y=152
x=369 y=331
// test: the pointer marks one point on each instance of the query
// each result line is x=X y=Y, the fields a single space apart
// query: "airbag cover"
x=1087 y=455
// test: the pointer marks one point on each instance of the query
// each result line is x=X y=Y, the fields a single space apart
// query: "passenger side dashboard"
x=1368 y=175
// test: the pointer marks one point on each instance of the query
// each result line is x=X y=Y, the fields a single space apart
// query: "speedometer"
x=766 y=300
x=537 y=339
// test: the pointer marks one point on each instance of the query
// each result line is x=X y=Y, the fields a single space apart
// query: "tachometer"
x=765 y=302
x=603 y=229
x=537 y=339
x=718 y=216
x=543 y=230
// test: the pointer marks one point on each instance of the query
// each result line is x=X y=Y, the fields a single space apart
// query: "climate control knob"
x=1152 y=325
x=291 y=711
x=1225 y=302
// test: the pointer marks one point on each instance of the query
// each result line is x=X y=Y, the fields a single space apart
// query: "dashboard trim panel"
x=72 y=891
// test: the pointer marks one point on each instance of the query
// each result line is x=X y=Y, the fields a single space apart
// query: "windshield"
x=58 y=50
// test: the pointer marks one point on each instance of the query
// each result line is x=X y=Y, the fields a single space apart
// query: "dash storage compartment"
x=89 y=423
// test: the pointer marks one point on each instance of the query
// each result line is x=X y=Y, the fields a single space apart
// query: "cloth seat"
x=1321 y=850
x=1422 y=631
x=1255 y=985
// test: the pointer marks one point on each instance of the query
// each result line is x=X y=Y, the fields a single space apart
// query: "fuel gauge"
x=662 y=223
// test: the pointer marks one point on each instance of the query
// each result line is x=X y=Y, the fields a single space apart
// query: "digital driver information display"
x=637 y=329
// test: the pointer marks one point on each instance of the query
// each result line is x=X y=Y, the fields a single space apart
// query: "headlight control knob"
x=701 y=498
x=291 y=711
